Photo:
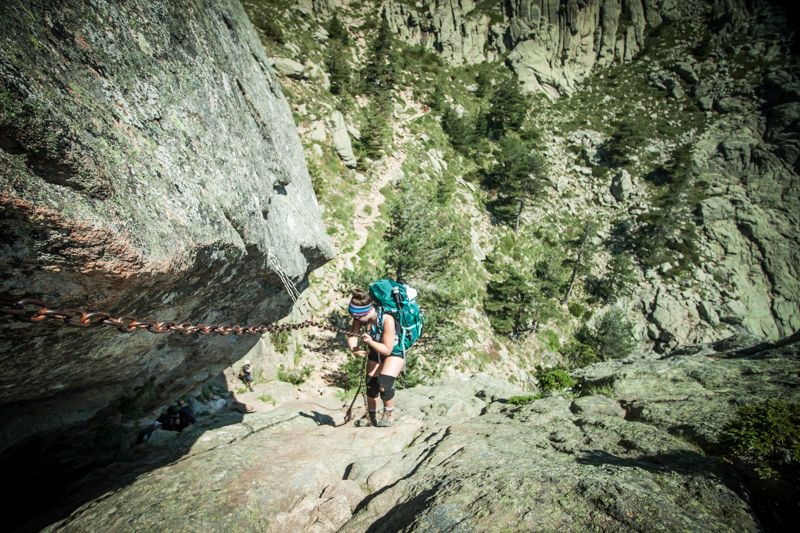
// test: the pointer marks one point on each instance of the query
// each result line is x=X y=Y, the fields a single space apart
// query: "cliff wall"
x=150 y=167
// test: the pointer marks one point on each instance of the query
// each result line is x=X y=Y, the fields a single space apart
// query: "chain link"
x=31 y=310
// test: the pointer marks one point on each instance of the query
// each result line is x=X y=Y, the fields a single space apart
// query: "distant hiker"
x=246 y=376
x=176 y=418
x=383 y=366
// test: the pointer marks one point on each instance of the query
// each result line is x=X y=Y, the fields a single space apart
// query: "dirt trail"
x=324 y=296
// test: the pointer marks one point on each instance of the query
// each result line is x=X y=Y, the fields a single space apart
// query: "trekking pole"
x=349 y=415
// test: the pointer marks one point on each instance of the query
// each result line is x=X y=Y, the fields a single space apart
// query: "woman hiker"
x=383 y=367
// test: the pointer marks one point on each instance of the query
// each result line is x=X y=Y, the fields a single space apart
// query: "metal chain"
x=349 y=415
x=31 y=310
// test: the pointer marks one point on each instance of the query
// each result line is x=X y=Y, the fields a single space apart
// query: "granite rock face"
x=551 y=45
x=150 y=167
x=462 y=457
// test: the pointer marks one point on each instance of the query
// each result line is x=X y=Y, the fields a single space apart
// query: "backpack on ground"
x=400 y=301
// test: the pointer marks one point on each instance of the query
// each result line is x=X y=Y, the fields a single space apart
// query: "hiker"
x=176 y=418
x=383 y=366
x=246 y=375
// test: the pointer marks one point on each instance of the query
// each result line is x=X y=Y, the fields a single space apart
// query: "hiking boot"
x=365 y=422
x=387 y=419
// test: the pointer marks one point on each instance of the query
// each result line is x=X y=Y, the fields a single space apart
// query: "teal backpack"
x=400 y=301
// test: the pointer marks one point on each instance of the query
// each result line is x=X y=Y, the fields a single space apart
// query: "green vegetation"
x=293 y=376
x=619 y=278
x=338 y=68
x=380 y=74
x=578 y=354
x=611 y=337
x=280 y=341
x=528 y=279
x=554 y=380
x=604 y=390
x=628 y=137
x=766 y=438
x=523 y=400
x=508 y=108
x=337 y=31
x=550 y=340
x=668 y=232
x=267 y=398
x=351 y=372
x=517 y=176
x=376 y=129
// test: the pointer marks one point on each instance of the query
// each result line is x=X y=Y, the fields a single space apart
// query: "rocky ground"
x=630 y=451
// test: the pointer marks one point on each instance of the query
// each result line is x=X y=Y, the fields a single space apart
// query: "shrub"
x=578 y=354
x=628 y=137
x=604 y=390
x=555 y=379
x=280 y=341
x=550 y=339
x=575 y=309
x=295 y=377
x=611 y=337
x=266 y=398
x=765 y=437
x=523 y=400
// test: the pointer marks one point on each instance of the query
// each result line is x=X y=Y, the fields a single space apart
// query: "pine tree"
x=338 y=67
x=508 y=300
x=518 y=178
x=583 y=250
x=459 y=130
x=508 y=108
x=379 y=73
x=436 y=101
x=376 y=132
x=483 y=84
x=336 y=31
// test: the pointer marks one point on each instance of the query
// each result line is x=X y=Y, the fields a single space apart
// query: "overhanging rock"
x=150 y=166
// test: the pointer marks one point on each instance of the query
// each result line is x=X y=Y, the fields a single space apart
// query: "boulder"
x=290 y=67
x=621 y=185
x=341 y=139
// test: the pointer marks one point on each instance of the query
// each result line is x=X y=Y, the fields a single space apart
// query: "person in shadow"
x=176 y=418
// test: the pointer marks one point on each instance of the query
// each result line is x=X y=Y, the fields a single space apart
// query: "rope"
x=30 y=310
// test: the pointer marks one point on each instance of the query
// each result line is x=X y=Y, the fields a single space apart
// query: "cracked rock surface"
x=462 y=458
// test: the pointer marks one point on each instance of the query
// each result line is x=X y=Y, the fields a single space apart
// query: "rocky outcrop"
x=463 y=456
x=150 y=167
x=451 y=28
x=551 y=45
x=341 y=139
x=749 y=211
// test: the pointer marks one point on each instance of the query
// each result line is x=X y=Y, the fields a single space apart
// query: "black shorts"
x=374 y=356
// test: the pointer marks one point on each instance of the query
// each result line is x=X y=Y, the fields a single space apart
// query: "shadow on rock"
x=320 y=419
x=678 y=461
x=56 y=473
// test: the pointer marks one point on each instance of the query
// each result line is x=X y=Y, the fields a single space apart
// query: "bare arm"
x=385 y=345
x=352 y=341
